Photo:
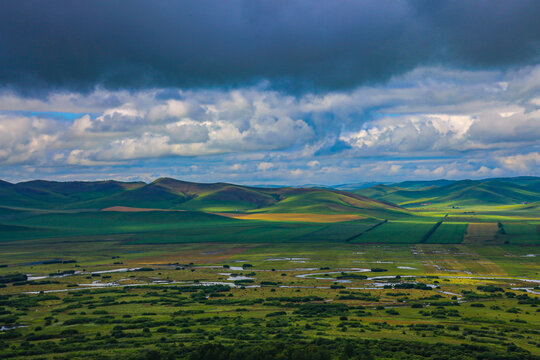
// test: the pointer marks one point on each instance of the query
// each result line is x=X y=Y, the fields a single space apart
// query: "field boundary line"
x=432 y=230
x=365 y=231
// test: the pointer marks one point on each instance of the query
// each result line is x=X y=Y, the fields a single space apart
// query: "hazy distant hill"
x=356 y=186
x=423 y=184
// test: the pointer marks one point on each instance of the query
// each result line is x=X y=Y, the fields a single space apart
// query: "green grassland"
x=448 y=233
x=396 y=232
x=445 y=270
x=523 y=232
x=41 y=209
x=431 y=298
x=189 y=226
x=340 y=232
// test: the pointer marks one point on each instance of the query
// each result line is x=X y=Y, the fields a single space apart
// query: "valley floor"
x=110 y=299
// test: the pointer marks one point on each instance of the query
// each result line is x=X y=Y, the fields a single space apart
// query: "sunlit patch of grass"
x=297 y=217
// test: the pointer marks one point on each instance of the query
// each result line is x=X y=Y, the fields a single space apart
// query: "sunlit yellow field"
x=317 y=218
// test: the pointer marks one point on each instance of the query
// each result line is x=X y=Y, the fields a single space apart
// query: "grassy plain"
x=244 y=273
x=185 y=297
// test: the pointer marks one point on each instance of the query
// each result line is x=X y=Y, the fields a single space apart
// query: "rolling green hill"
x=379 y=201
x=173 y=211
x=53 y=194
x=458 y=193
x=166 y=193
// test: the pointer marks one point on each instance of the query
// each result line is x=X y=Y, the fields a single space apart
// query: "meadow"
x=106 y=299
x=355 y=279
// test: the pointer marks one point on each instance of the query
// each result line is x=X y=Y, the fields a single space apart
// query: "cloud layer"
x=297 y=44
x=428 y=123
x=258 y=91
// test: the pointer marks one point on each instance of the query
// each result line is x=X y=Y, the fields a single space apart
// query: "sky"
x=269 y=92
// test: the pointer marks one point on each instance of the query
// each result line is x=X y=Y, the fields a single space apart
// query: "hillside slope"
x=167 y=193
x=458 y=193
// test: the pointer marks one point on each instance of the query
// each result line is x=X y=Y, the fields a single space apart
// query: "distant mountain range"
x=380 y=200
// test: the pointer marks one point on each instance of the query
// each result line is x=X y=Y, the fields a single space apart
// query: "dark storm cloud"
x=304 y=44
